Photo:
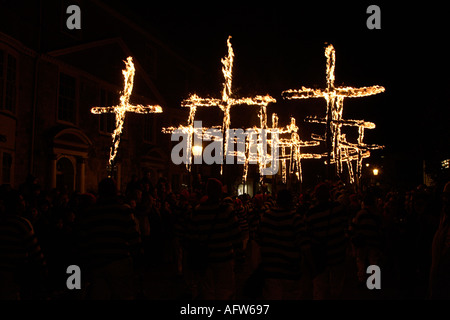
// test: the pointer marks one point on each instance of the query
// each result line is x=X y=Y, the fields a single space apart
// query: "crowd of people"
x=296 y=245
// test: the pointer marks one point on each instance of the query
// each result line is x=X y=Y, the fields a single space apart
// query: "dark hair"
x=322 y=192
x=107 y=188
x=284 y=198
x=214 y=189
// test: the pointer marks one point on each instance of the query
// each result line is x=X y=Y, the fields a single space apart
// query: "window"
x=8 y=82
x=107 y=121
x=67 y=98
x=6 y=168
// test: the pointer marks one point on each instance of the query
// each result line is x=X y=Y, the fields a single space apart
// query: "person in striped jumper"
x=281 y=237
x=23 y=269
x=109 y=242
x=327 y=225
x=242 y=215
x=213 y=220
x=367 y=237
x=439 y=277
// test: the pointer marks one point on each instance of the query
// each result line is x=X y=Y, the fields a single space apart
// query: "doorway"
x=65 y=174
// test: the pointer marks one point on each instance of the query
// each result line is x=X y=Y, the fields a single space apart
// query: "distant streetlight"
x=375 y=172
x=197 y=150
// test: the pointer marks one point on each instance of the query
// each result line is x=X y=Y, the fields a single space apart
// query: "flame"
x=340 y=150
x=124 y=106
x=291 y=149
x=224 y=103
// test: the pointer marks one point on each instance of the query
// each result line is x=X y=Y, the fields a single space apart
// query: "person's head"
x=446 y=199
x=136 y=195
x=237 y=203
x=322 y=192
x=258 y=200
x=14 y=203
x=31 y=179
x=369 y=199
x=214 y=190
x=284 y=199
x=107 y=188
x=87 y=199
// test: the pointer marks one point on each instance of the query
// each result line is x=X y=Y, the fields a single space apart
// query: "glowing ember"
x=339 y=149
x=124 y=107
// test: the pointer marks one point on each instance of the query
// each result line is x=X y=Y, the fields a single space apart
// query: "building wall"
x=44 y=145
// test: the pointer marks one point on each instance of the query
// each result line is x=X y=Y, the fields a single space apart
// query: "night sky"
x=280 y=45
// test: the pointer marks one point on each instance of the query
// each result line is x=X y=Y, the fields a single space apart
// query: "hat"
x=228 y=200
x=213 y=188
x=237 y=202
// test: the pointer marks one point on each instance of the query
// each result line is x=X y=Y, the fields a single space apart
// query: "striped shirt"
x=242 y=216
x=328 y=223
x=18 y=244
x=108 y=232
x=281 y=236
x=367 y=226
x=222 y=226
x=253 y=220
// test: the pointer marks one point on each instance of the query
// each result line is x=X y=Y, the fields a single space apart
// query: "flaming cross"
x=226 y=102
x=351 y=151
x=335 y=99
x=124 y=107
x=294 y=145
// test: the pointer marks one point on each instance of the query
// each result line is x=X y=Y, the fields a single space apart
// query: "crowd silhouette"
x=291 y=245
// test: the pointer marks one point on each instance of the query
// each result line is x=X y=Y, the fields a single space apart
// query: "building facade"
x=50 y=78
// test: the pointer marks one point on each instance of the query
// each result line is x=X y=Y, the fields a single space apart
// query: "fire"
x=224 y=103
x=124 y=107
x=294 y=145
x=227 y=101
x=339 y=150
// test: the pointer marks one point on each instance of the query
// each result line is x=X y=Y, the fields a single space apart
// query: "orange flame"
x=341 y=150
x=224 y=103
x=124 y=106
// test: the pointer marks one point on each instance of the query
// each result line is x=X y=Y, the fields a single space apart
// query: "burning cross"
x=124 y=106
x=351 y=151
x=294 y=145
x=335 y=99
x=226 y=102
